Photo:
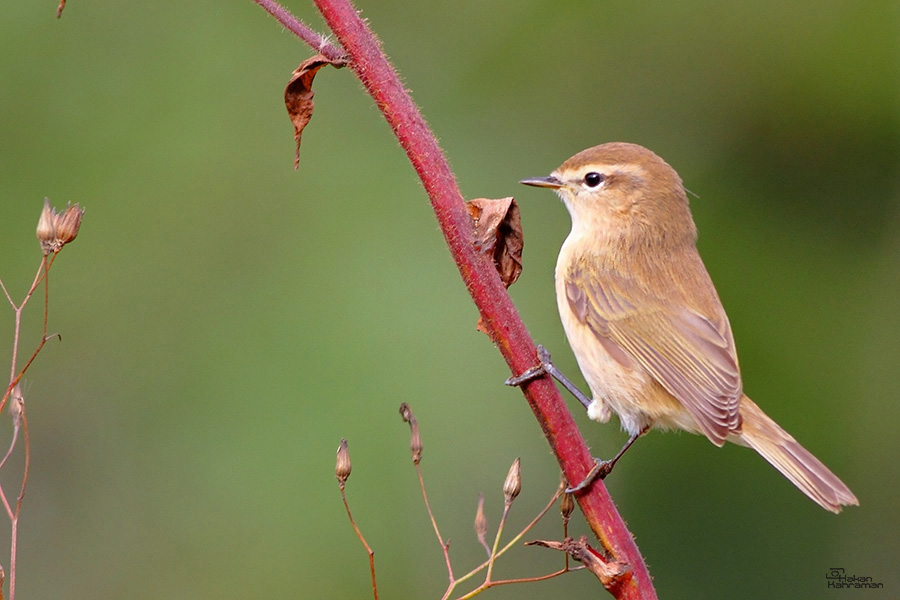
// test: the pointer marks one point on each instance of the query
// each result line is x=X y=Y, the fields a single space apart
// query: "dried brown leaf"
x=481 y=524
x=298 y=95
x=498 y=233
x=59 y=9
x=610 y=573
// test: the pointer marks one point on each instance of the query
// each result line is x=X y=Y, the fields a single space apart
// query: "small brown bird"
x=645 y=322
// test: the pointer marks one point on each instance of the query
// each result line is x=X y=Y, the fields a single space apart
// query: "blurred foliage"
x=226 y=320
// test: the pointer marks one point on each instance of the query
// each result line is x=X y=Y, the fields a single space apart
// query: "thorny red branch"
x=497 y=311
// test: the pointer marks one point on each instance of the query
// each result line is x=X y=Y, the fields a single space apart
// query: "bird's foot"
x=545 y=367
x=601 y=469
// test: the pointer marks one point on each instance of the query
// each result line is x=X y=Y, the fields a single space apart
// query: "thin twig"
x=42 y=276
x=493 y=558
x=363 y=540
x=15 y=521
x=445 y=547
x=488 y=582
x=496 y=554
x=486 y=586
x=12 y=445
x=6 y=292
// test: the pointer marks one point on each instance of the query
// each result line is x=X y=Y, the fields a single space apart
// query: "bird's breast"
x=625 y=389
x=614 y=387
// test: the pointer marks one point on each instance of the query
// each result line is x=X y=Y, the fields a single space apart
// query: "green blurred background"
x=226 y=321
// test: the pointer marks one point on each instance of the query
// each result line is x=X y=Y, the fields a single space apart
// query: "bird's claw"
x=544 y=368
x=601 y=469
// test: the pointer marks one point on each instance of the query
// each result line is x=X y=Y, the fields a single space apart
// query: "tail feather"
x=793 y=460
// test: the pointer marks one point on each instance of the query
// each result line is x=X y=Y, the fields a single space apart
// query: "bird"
x=645 y=322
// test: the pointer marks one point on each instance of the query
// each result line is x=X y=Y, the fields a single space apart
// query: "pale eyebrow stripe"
x=610 y=168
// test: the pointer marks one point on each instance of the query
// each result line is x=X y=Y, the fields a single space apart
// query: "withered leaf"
x=298 y=95
x=481 y=525
x=59 y=9
x=498 y=233
x=611 y=574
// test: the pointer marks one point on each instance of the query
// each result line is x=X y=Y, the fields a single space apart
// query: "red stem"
x=483 y=282
x=301 y=30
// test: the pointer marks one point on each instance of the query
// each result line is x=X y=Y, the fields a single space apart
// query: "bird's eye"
x=593 y=179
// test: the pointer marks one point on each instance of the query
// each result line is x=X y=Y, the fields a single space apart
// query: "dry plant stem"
x=496 y=554
x=562 y=571
x=15 y=520
x=12 y=444
x=482 y=281
x=445 y=547
x=42 y=275
x=493 y=557
x=361 y=539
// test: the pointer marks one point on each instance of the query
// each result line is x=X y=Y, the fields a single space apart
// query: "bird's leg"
x=602 y=468
x=548 y=368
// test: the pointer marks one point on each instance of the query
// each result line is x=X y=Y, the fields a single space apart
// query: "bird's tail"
x=793 y=460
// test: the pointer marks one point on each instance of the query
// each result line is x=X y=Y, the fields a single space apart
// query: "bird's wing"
x=690 y=354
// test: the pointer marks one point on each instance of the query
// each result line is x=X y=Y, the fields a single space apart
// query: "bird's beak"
x=546 y=182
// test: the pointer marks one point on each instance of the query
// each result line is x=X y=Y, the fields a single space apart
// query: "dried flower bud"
x=415 y=440
x=513 y=484
x=481 y=523
x=566 y=506
x=55 y=230
x=46 y=230
x=16 y=405
x=342 y=467
x=69 y=223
